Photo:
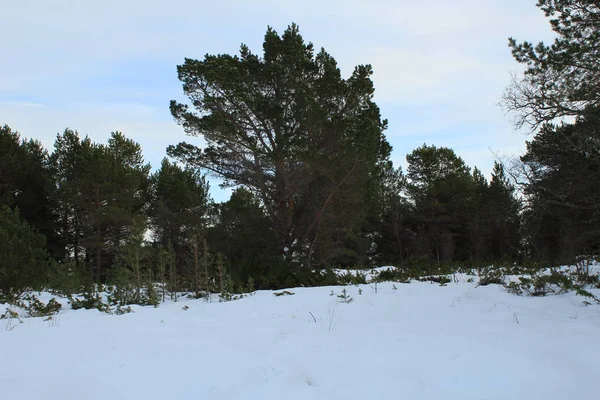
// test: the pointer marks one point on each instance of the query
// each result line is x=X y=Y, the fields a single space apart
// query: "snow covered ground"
x=407 y=341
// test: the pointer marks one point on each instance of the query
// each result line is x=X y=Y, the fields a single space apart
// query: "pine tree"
x=504 y=215
x=441 y=187
x=290 y=129
x=562 y=168
x=179 y=209
x=26 y=183
x=24 y=262
x=242 y=233
x=101 y=189
x=394 y=237
x=133 y=255
x=562 y=79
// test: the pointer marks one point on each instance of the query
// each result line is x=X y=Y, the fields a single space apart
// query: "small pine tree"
x=344 y=296
x=151 y=295
x=25 y=263
x=228 y=290
x=250 y=287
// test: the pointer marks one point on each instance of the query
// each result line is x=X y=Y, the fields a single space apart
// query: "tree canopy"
x=289 y=128
x=561 y=79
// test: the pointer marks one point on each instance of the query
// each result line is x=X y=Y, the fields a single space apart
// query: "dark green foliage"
x=441 y=187
x=393 y=275
x=91 y=300
x=133 y=271
x=443 y=280
x=287 y=127
x=31 y=307
x=67 y=278
x=393 y=226
x=352 y=278
x=501 y=209
x=152 y=296
x=561 y=172
x=284 y=293
x=454 y=214
x=491 y=276
x=132 y=275
x=228 y=293
x=26 y=183
x=250 y=287
x=442 y=212
x=179 y=211
x=36 y=308
x=101 y=190
x=24 y=262
x=243 y=235
x=562 y=79
x=314 y=187
x=542 y=282
x=124 y=289
x=344 y=296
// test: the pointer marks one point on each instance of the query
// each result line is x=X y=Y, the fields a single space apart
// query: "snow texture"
x=407 y=341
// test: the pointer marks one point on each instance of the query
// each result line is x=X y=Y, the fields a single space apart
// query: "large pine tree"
x=561 y=79
x=289 y=128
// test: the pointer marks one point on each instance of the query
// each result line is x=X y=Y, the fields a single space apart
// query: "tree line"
x=314 y=186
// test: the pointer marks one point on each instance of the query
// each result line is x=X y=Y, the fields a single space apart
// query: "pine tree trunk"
x=206 y=268
x=196 y=267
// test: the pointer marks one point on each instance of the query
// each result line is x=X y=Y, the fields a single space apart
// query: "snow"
x=405 y=341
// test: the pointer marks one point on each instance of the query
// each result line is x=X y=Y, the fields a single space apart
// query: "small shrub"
x=392 y=275
x=36 y=308
x=443 y=280
x=12 y=317
x=491 y=277
x=349 y=278
x=284 y=293
x=250 y=287
x=556 y=281
x=228 y=292
x=150 y=295
x=31 y=307
x=11 y=314
x=345 y=297
x=514 y=288
x=91 y=300
x=123 y=310
x=327 y=277
x=67 y=278
x=123 y=291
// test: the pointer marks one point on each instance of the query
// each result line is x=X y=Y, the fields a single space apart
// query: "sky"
x=440 y=66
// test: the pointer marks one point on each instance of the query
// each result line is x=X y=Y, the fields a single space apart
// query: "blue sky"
x=440 y=66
